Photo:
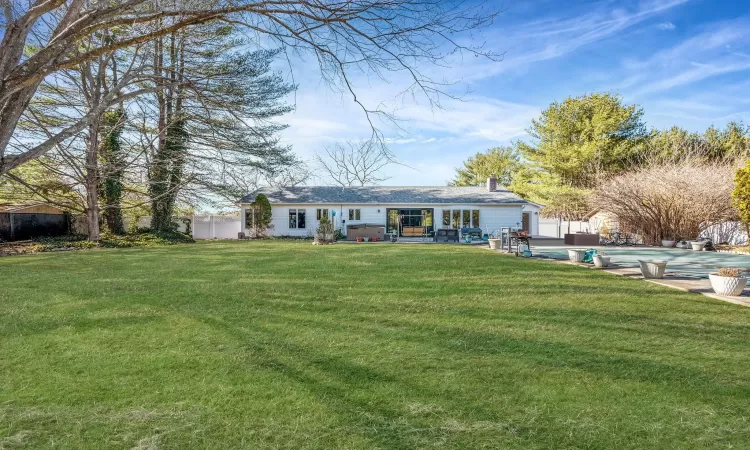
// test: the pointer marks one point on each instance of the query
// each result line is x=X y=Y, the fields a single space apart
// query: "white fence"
x=730 y=232
x=202 y=227
x=216 y=227
x=558 y=228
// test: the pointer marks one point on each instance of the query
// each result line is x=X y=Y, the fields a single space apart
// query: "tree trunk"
x=92 y=210
x=92 y=182
x=166 y=172
x=112 y=171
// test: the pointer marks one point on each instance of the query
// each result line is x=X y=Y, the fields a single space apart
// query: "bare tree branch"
x=380 y=37
x=355 y=163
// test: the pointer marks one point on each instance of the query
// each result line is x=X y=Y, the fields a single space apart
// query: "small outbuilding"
x=22 y=222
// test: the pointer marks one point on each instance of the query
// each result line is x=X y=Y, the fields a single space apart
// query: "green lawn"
x=288 y=345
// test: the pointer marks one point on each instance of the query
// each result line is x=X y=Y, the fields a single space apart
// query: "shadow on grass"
x=340 y=392
x=546 y=354
x=346 y=386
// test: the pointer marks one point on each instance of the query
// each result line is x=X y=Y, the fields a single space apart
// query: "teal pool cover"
x=683 y=262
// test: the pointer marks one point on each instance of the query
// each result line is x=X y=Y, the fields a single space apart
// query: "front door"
x=526 y=222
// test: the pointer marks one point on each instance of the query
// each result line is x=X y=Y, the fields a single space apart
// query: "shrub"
x=325 y=226
x=63 y=242
x=669 y=200
x=113 y=241
x=741 y=195
x=262 y=214
x=730 y=272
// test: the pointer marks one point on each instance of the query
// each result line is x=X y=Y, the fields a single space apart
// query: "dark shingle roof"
x=385 y=194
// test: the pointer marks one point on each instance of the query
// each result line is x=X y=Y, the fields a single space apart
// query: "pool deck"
x=687 y=270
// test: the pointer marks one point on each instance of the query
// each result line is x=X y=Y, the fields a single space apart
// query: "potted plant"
x=652 y=269
x=698 y=245
x=682 y=244
x=359 y=238
x=577 y=254
x=494 y=243
x=667 y=243
x=373 y=239
x=728 y=281
x=601 y=260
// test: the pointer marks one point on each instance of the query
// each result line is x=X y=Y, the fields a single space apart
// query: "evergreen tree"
x=741 y=195
x=503 y=162
x=262 y=214
x=582 y=138
x=213 y=131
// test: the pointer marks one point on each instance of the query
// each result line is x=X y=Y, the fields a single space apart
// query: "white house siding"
x=533 y=210
x=491 y=217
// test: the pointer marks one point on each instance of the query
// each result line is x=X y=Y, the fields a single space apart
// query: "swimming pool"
x=683 y=262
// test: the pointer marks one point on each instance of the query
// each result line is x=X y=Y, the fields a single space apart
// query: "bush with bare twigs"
x=730 y=272
x=670 y=199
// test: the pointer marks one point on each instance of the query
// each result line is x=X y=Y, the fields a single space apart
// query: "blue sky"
x=686 y=62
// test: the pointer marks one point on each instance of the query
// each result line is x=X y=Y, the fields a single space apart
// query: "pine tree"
x=213 y=131
x=501 y=161
x=262 y=214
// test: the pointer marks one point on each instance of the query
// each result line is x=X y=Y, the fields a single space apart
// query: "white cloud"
x=399 y=141
x=697 y=58
x=550 y=38
x=490 y=119
x=667 y=26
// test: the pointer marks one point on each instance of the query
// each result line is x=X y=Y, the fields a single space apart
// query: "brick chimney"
x=492 y=183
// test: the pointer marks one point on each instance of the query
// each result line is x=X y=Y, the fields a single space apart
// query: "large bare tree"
x=355 y=163
x=43 y=37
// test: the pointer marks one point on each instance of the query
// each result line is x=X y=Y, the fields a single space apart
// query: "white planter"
x=576 y=255
x=666 y=243
x=727 y=285
x=682 y=244
x=494 y=243
x=601 y=261
x=697 y=245
x=652 y=269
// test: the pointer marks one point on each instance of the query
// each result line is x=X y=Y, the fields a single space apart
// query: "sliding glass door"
x=410 y=222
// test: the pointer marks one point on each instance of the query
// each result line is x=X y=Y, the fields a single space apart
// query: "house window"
x=467 y=218
x=475 y=218
x=354 y=214
x=249 y=214
x=296 y=218
x=456 y=218
x=446 y=218
x=322 y=212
